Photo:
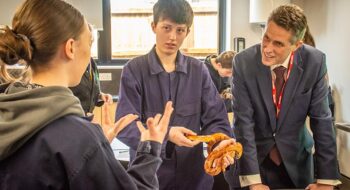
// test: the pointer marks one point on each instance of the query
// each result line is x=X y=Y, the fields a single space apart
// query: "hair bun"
x=14 y=47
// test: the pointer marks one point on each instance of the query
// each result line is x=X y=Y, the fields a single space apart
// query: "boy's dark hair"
x=225 y=59
x=291 y=18
x=178 y=11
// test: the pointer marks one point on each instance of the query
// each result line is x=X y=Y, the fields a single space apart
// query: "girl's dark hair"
x=179 y=11
x=39 y=27
x=308 y=38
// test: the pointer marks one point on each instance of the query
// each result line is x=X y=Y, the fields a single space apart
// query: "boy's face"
x=225 y=72
x=169 y=36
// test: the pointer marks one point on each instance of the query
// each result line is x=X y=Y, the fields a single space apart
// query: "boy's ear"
x=188 y=31
x=153 y=25
x=69 y=48
x=219 y=65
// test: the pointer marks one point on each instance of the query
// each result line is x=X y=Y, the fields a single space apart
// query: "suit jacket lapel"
x=290 y=88
x=264 y=81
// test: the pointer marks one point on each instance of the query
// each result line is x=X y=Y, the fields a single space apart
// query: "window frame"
x=104 y=56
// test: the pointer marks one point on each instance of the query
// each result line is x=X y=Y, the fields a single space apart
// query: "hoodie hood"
x=27 y=108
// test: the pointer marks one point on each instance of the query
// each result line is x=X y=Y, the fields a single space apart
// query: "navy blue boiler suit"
x=146 y=87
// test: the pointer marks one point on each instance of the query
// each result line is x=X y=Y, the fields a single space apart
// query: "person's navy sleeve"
x=213 y=115
x=321 y=126
x=130 y=101
x=243 y=116
x=100 y=170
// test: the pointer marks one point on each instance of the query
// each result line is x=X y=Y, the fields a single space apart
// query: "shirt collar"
x=156 y=66
x=284 y=64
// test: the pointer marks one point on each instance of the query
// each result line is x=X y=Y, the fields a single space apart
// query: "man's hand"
x=316 y=186
x=258 y=187
x=157 y=127
x=177 y=135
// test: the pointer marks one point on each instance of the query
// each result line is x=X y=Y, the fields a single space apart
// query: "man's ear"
x=69 y=48
x=153 y=25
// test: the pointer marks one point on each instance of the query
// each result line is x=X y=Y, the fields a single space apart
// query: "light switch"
x=105 y=76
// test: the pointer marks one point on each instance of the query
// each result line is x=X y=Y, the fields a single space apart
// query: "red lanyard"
x=278 y=104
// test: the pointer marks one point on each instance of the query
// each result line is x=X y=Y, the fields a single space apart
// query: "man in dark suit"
x=275 y=86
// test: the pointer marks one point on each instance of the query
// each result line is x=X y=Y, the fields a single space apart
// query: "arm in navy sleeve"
x=130 y=101
x=322 y=128
x=100 y=170
x=243 y=122
x=213 y=115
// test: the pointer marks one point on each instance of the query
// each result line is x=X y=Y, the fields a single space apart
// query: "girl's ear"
x=69 y=48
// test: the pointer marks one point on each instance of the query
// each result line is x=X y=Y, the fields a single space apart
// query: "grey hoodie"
x=26 y=108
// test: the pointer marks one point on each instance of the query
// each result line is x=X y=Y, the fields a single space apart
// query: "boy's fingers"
x=187 y=131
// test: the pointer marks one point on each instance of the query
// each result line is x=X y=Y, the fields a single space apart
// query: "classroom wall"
x=91 y=9
x=327 y=21
x=240 y=26
x=328 y=24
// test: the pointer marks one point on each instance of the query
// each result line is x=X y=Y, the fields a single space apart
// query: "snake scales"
x=232 y=150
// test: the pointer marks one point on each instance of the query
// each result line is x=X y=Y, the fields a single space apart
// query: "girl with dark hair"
x=46 y=142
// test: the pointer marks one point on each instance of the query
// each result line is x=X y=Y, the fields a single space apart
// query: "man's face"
x=169 y=36
x=276 y=44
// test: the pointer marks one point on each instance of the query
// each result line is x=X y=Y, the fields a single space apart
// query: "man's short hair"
x=225 y=59
x=291 y=18
x=178 y=11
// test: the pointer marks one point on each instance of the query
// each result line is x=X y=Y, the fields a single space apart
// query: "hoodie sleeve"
x=100 y=169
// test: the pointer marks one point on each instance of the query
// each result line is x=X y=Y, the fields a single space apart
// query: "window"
x=127 y=30
x=132 y=35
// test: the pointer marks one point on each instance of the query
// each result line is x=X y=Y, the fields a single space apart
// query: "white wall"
x=7 y=10
x=92 y=10
x=329 y=26
x=328 y=23
x=240 y=26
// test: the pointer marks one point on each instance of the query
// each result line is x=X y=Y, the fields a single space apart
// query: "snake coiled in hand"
x=231 y=150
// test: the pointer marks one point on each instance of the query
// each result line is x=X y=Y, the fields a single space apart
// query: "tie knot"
x=279 y=71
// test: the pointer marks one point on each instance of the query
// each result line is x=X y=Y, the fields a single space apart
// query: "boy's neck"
x=167 y=61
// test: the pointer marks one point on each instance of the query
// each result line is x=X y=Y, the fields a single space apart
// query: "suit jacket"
x=258 y=129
